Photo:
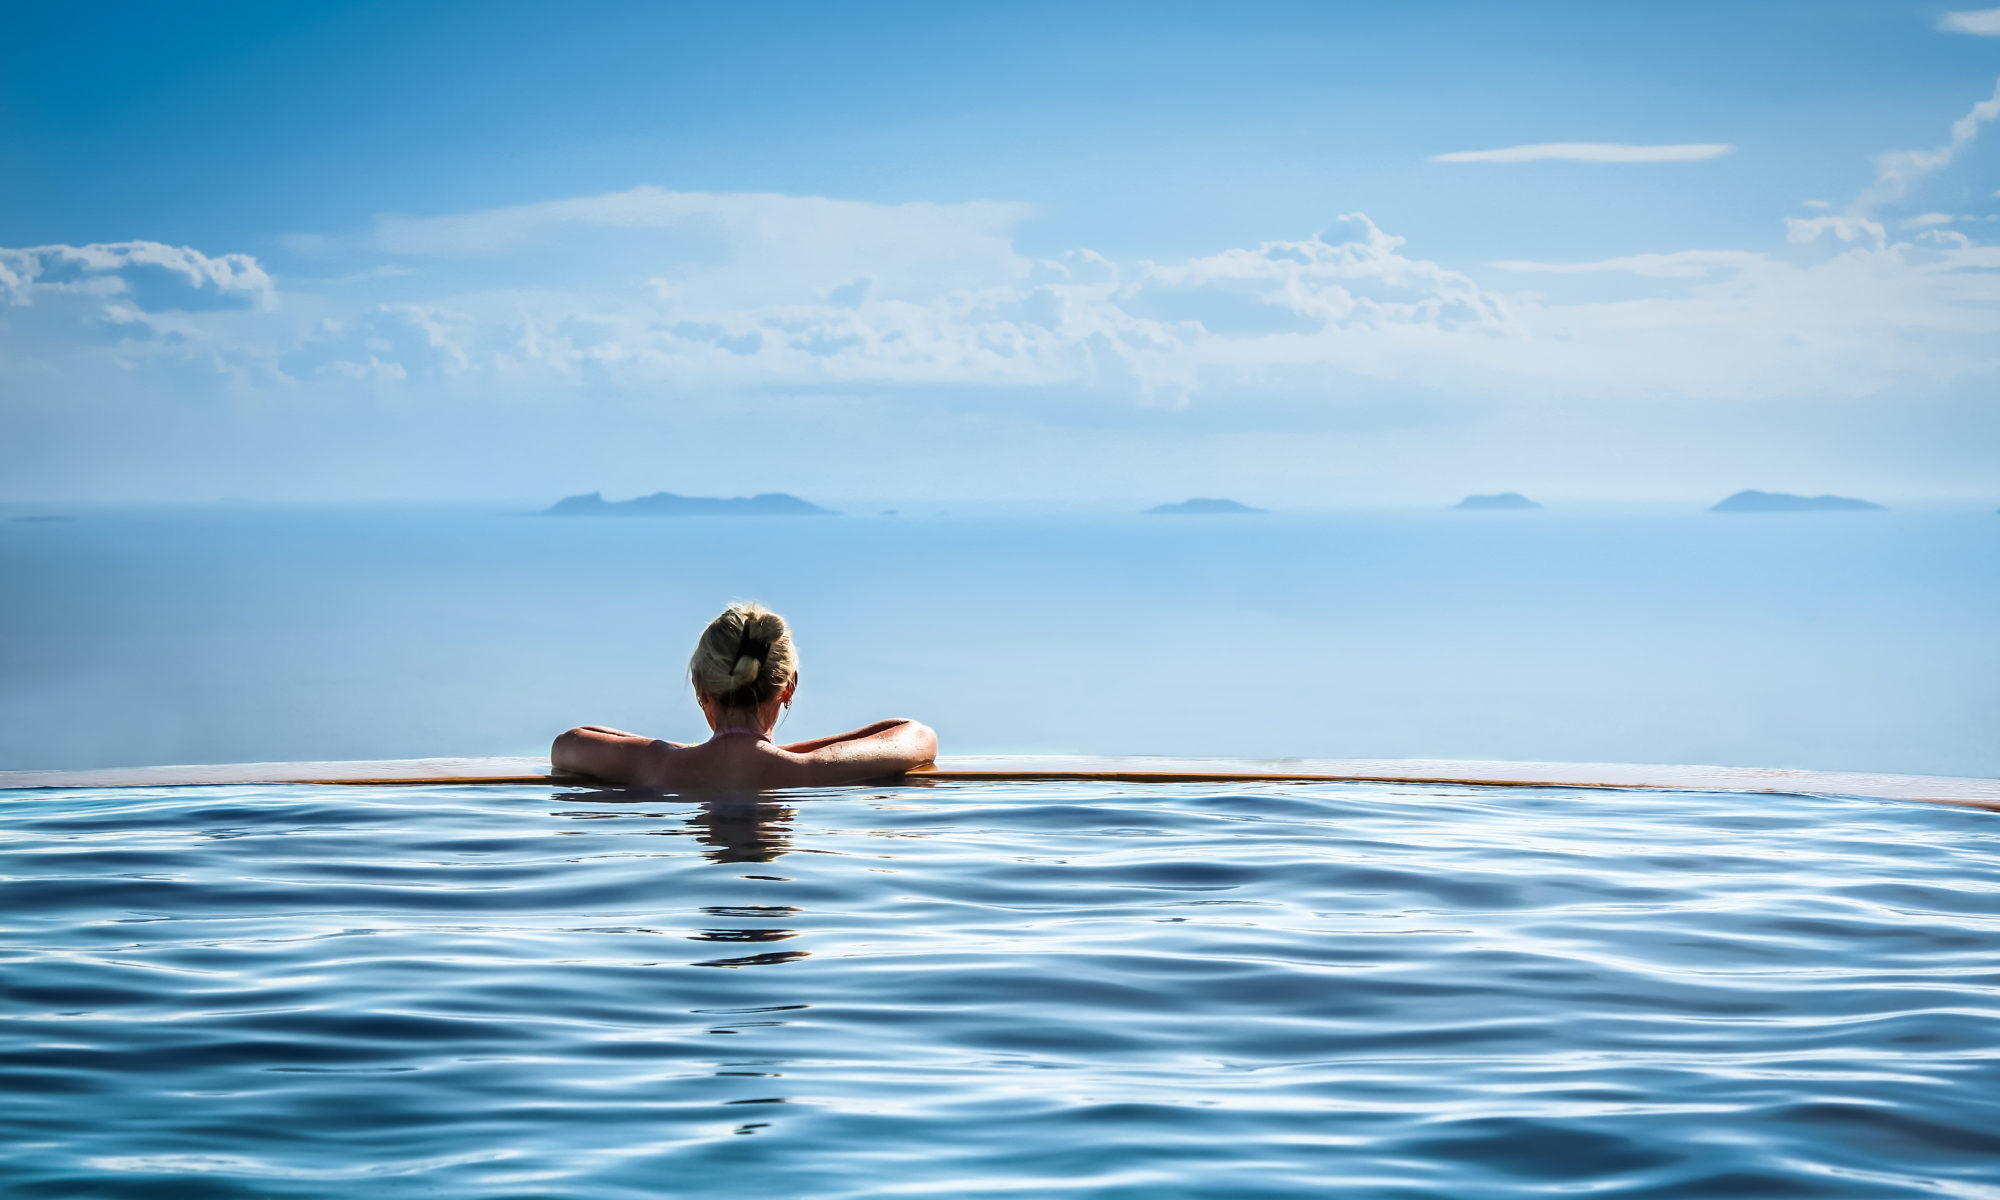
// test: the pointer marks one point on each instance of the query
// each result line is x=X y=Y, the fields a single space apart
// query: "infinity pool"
x=988 y=989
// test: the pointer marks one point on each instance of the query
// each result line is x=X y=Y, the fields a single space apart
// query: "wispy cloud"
x=1803 y=231
x=1682 y=264
x=1591 y=152
x=1985 y=22
x=743 y=247
x=1896 y=170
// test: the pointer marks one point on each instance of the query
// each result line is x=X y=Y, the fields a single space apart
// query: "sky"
x=1295 y=254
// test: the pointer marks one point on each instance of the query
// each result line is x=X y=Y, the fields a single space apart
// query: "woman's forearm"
x=899 y=747
x=851 y=735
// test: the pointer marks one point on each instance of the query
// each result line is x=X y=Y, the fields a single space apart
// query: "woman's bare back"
x=744 y=759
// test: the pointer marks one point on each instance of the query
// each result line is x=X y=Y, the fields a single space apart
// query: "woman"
x=745 y=672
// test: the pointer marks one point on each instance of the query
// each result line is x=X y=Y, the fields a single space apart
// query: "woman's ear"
x=790 y=689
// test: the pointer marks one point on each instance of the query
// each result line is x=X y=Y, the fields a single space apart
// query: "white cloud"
x=1927 y=220
x=1984 y=22
x=151 y=275
x=960 y=316
x=1681 y=264
x=389 y=342
x=1359 y=277
x=1898 y=169
x=1947 y=237
x=751 y=245
x=1314 y=316
x=1591 y=152
x=1802 y=231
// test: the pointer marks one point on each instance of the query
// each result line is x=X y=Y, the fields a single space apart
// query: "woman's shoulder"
x=614 y=755
x=883 y=750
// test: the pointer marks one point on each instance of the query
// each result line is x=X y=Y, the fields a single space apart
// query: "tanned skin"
x=739 y=762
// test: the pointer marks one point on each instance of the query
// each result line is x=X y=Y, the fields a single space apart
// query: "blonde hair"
x=744 y=658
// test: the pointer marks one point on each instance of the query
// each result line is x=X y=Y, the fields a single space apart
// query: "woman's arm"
x=603 y=753
x=872 y=752
x=808 y=747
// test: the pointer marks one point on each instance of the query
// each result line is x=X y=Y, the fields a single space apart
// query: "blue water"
x=1049 y=990
x=1863 y=641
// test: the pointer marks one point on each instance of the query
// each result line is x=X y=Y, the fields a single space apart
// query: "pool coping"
x=1978 y=793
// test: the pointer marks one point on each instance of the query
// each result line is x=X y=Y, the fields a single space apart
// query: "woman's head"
x=744 y=658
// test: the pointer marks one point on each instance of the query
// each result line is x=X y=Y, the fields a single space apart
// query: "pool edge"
x=1978 y=793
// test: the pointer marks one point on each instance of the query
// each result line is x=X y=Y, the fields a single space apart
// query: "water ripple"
x=1061 y=990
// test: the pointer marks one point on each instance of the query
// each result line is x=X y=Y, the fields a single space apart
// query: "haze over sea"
x=1861 y=641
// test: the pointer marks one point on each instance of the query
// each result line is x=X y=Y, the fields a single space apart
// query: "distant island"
x=1501 y=500
x=1753 y=501
x=666 y=504
x=1200 y=507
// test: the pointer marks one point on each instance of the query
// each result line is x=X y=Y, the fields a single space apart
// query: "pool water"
x=985 y=989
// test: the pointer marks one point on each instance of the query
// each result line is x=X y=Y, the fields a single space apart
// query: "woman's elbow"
x=565 y=750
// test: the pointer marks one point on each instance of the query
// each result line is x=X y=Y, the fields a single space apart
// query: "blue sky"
x=388 y=250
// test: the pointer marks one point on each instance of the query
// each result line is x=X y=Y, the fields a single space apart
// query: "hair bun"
x=744 y=658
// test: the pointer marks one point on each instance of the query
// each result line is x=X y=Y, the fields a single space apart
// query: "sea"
x=1837 y=641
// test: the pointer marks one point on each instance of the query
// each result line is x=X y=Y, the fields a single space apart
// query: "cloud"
x=1353 y=275
x=1682 y=264
x=1927 y=220
x=706 y=303
x=1802 y=231
x=150 y=275
x=1591 y=152
x=1985 y=22
x=1898 y=169
x=390 y=342
x=749 y=245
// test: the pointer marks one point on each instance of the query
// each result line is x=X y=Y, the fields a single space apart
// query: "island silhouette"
x=1497 y=500
x=1200 y=506
x=1753 y=501
x=667 y=504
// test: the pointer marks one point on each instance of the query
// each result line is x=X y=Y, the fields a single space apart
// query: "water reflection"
x=736 y=829
x=743 y=829
x=766 y=933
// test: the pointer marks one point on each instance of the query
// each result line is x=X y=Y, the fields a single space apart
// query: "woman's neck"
x=738 y=720
x=740 y=731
